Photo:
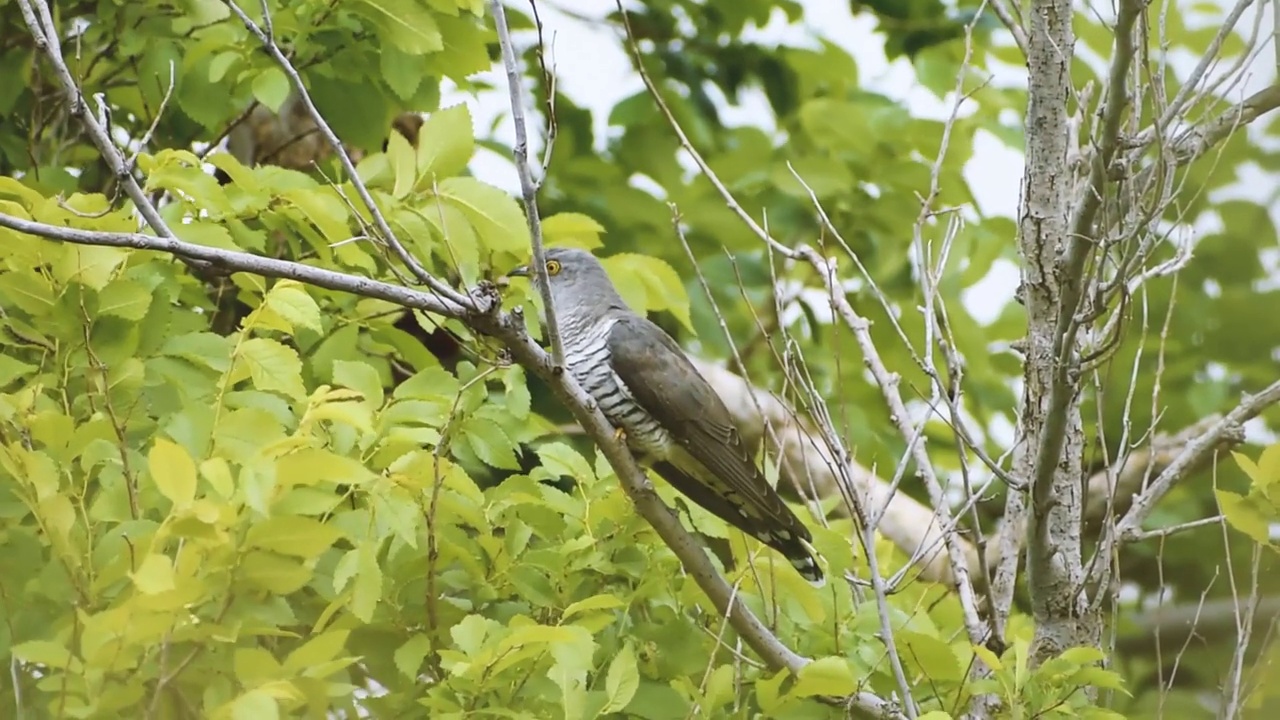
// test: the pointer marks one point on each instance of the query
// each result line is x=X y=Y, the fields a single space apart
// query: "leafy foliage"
x=233 y=497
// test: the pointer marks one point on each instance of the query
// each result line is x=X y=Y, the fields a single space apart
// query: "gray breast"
x=587 y=355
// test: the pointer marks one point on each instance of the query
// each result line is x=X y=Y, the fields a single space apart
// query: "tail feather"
x=793 y=545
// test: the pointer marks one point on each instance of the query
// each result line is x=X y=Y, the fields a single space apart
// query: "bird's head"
x=577 y=280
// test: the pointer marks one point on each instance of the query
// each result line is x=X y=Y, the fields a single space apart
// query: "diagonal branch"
x=265 y=36
x=1196 y=452
x=46 y=36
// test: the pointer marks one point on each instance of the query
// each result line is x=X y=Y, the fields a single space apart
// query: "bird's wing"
x=661 y=379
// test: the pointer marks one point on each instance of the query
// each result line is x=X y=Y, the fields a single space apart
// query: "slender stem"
x=527 y=187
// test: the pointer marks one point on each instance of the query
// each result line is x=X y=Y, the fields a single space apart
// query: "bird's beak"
x=522 y=271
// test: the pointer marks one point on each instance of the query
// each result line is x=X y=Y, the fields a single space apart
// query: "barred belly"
x=587 y=356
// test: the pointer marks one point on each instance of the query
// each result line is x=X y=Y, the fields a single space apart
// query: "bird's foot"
x=620 y=435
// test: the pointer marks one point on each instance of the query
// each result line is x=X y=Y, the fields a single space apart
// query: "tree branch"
x=46 y=37
x=527 y=187
x=269 y=44
x=235 y=261
x=905 y=522
x=1196 y=452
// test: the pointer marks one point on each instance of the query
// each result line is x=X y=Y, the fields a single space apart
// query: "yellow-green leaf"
x=255 y=705
x=290 y=301
x=570 y=229
x=317 y=650
x=409 y=656
x=495 y=215
x=404 y=164
x=934 y=656
x=271 y=365
x=622 y=680
x=1245 y=515
x=124 y=298
x=649 y=284
x=367 y=589
x=595 y=602
x=173 y=471
x=154 y=575
x=44 y=652
x=271 y=88
x=293 y=535
x=825 y=676
x=445 y=144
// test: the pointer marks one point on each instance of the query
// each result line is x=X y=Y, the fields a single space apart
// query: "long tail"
x=791 y=542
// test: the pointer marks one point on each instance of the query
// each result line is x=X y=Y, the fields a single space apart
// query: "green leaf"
x=272 y=365
x=293 y=535
x=405 y=24
x=570 y=229
x=154 y=575
x=255 y=705
x=1243 y=514
x=409 y=656
x=561 y=460
x=825 y=676
x=368 y=585
x=290 y=300
x=316 y=651
x=173 y=471
x=125 y=299
x=622 y=680
x=361 y=377
x=490 y=442
x=498 y=220
x=446 y=143
x=271 y=88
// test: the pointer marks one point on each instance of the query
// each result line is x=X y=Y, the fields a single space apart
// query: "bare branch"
x=527 y=186
x=1008 y=15
x=46 y=35
x=234 y=261
x=1195 y=142
x=1195 y=452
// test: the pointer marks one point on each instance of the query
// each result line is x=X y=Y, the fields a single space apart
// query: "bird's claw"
x=620 y=434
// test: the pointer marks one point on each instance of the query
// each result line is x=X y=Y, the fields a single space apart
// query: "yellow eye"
x=553 y=267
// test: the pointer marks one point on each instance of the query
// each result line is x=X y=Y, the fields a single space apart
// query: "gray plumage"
x=672 y=418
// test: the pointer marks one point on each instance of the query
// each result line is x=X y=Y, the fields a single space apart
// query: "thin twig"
x=527 y=187
x=267 y=39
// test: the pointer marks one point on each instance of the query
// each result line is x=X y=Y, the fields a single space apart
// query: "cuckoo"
x=671 y=418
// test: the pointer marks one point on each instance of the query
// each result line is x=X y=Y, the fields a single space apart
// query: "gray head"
x=580 y=287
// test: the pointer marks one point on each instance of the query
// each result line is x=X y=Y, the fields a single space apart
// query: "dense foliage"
x=229 y=496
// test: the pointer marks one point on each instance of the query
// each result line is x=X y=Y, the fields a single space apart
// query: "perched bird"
x=671 y=418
